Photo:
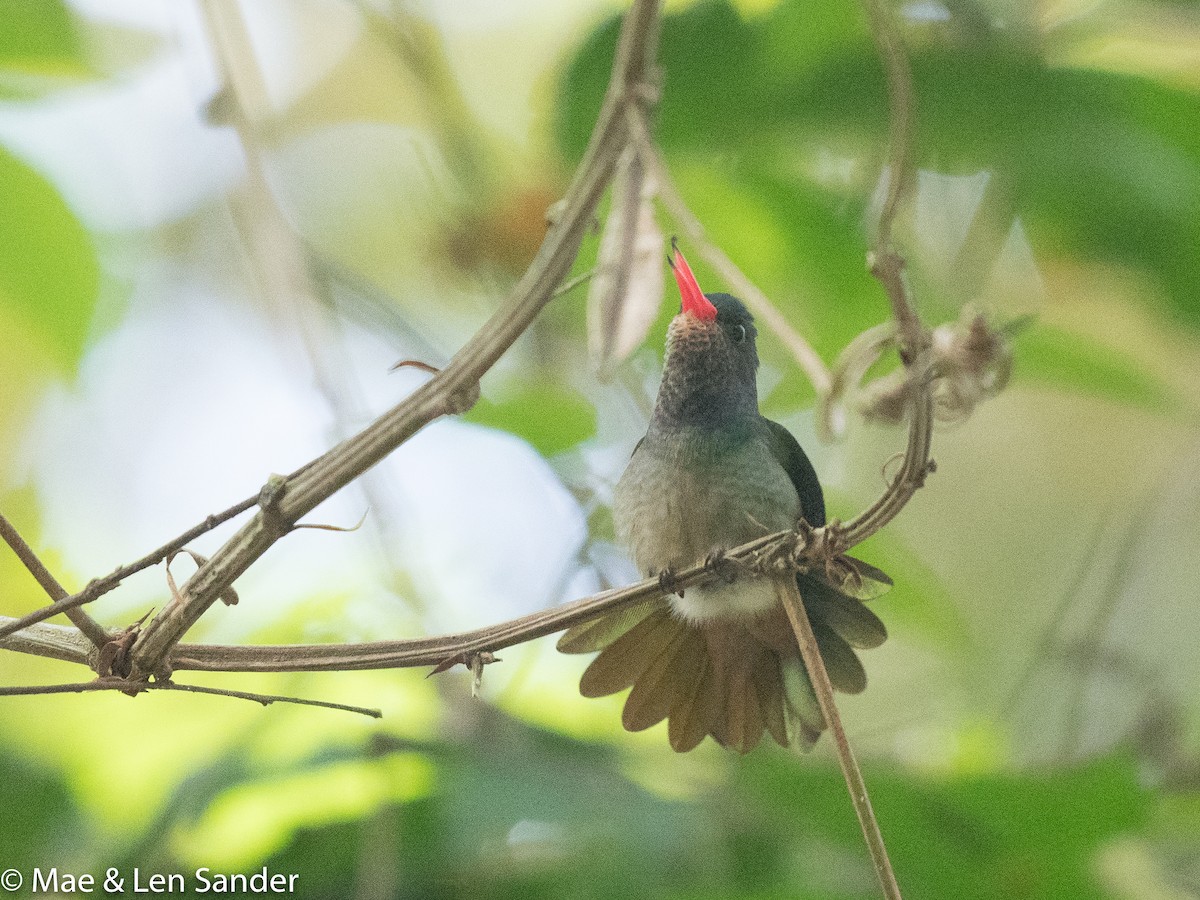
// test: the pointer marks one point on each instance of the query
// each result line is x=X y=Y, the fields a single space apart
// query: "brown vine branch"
x=444 y=394
x=264 y=699
x=94 y=630
x=64 y=643
x=132 y=688
x=885 y=264
x=770 y=554
x=285 y=499
x=98 y=587
x=789 y=595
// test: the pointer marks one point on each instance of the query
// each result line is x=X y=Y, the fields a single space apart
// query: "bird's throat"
x=704 y=396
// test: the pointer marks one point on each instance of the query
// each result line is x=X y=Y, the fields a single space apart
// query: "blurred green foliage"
x=552 y=418
x=39 y=38
x=49 y=274
x=521 y=813
x=1099 y=165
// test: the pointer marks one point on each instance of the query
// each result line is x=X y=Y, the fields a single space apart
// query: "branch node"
x=455 y=403
x=462 y=400
x=919 y=478
x=647 y=92
x=554 y=213
x=724 y=566
x=123 y=684
x=268 y=501
x=474 y=660
x=478 y=661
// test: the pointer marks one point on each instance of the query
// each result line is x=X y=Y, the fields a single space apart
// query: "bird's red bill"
x=694 y=301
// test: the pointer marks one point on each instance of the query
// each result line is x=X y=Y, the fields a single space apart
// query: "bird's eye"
x=739 y=334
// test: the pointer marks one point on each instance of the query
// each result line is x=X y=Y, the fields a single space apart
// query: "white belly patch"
x=721 y=599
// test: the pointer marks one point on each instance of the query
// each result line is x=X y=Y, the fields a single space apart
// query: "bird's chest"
x=676 y=504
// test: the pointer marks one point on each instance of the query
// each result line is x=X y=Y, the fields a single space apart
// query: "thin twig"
x=849 y=369
x=94 y=630
x=98 y=587
x=67 y=605
x=82 y=687
x=1134 y=547
x=571 y=283
x=913 y=471
x=265 y=699
x=138 y=687
x=888 y=267
x=806 y=357
x=1062 y=608
x=789 y=594
x=103 y=585
x=885 y=264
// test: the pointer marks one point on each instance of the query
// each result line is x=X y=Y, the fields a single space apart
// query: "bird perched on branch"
x=711 y=473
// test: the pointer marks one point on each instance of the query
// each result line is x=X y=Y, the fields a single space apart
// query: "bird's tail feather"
x=733 y=679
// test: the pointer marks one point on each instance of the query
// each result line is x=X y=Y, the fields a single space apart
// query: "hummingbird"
x=720 y=658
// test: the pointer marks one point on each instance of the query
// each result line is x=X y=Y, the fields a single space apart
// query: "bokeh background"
x=194 y=295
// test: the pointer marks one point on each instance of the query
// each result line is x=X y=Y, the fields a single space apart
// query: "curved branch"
x=886 y=265
x=455 y=387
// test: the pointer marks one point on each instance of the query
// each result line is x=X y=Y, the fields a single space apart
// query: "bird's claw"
x=721 y=564
x=667 y=582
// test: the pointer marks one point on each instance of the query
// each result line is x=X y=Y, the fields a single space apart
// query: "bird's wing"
x=792 y=457
x=859 y=579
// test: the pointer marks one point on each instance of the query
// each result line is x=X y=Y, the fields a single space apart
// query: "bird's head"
x=709 y=373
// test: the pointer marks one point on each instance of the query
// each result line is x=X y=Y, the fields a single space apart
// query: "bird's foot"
x=821 y=551
x=667 y=582
x=720 y=563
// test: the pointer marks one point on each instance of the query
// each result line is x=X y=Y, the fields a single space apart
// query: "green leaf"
x=548 y=415
x=1103 y=166
x=729 y=77
x=49 y=274
x=38 y=41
